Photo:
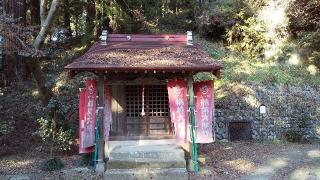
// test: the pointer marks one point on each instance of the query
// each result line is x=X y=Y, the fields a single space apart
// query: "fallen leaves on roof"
x=144 y=55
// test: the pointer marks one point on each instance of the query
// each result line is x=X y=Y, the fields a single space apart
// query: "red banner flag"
x=90 y=114
x=178 y=102
x=205 y=109
x=107 y=112
x=82 y=102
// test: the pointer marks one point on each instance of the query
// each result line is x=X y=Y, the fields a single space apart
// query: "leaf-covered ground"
x=28 y=165
x=19 y=107
x=249 y=160
x=233 y=160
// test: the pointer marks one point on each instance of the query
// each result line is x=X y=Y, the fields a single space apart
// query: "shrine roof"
x=168 y=53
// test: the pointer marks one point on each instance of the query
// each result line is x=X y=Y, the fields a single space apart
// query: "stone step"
x=146 y=151
x=154 y=174
x=146 y=156
x=143 y=163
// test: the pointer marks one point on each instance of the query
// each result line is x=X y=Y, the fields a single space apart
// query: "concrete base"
x=113 y=144
x=100 y=168
x=149 y=156
x=146 y=163
x=142 y=174
x=155 y=159
x=190 y=165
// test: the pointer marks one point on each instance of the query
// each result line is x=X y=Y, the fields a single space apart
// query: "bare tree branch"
x=20 y=39
x=45 y=25
x=42 y=11
x=17 y=38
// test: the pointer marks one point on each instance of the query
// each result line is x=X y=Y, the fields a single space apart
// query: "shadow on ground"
x=302 y=163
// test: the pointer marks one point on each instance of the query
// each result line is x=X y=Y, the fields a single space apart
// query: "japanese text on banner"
x=82 y=135
x=204 y=109
x=90 y=114
x=177 y=91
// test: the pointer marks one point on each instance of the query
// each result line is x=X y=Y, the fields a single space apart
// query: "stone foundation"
x=288 y=108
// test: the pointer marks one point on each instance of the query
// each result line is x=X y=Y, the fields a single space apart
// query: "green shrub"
x=310 y=40
x=304 y=25
x=309 y=44
x=6 y=127
x=302 y=121
x=49 y=132
x=54 y=129
x=315 y=58
x=215 y=17
x=52 y=164
x=249 y=37
x=180 y=22
x=293 y=136
x=303 y=16
x=64 y=139
x=203 y=76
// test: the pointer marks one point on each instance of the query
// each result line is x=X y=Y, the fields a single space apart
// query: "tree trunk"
x=66 y=17
x=35 y=12
x=77 y=26
x=8 y=7
x=45 y=93
x=104 y=22
x=42 y=11
x=91 y=13
x=11 y=69
x=35 y=20
x=33 y=64
x=20 y=11
x=16 y=9
x=45 y=23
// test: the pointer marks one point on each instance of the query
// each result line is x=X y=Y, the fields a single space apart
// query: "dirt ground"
x=27 y=165
x=233 y=160
x=249 y=160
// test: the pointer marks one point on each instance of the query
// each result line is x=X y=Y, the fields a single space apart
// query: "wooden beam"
x=139 y=81
x=132 y=76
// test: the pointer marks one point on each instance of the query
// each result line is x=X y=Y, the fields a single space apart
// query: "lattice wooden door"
x=156 y=120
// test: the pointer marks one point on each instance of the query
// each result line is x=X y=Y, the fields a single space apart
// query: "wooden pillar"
x=191 y=106
x=100 y=168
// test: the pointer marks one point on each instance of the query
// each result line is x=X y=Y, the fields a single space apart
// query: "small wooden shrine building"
x=131 y=64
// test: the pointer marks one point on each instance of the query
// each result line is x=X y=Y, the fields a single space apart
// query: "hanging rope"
x=143 y=113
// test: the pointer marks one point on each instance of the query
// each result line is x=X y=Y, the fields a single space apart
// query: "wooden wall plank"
x=118 y=110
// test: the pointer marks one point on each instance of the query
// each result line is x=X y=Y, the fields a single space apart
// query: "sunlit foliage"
x=277 y=31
